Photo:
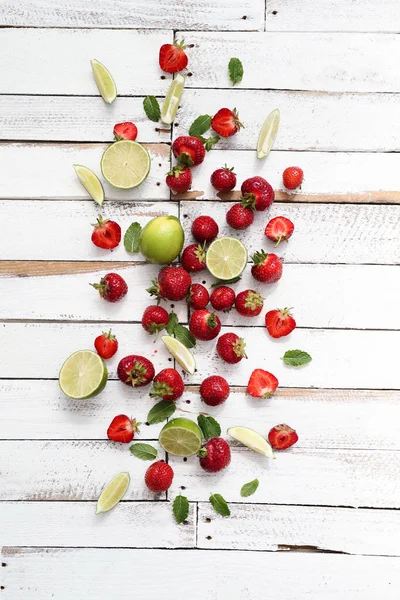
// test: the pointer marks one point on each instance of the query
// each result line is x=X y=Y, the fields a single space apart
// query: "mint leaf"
x=296 y=358
x=209 y=426
x=143 y=451
x=132 y=236
x=209 y=142
x=200 y=125
x=219 y=505
x=183 y=334
x=152 y=108
x=172 y=323
x=160 y=412
x=248 y=489
x=180 y=508
x=226 y=282
x=235 y=69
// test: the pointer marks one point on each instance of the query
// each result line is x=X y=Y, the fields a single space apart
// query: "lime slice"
x=226 y=258
x=91 y=183
x=181 y=437
x=172 y=99
x=251 y=439
x=268 y=134
x=125 y=164
x=104 y=81
x=113 y=493
x=184 y=357
x=83 y=375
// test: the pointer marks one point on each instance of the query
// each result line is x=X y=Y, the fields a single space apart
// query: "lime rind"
x=251 y=439
x=83 y=375
x=125 y=164
x=226 y=258
x=181 y=437
x=181 y=354
x=104 y=81
x=172 y=99
x=114 y=491
x=268 y=134
x=91 y=183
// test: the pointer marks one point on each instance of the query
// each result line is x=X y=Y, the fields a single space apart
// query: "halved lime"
x=83 y=375
x=226 y=258
x=268 y=134
x=181 y=437
x=113 y=493
x=251 y=439
x=184 y=357
x=125 y=164
x=91 y=183
x=104 y=81
x=172 y=99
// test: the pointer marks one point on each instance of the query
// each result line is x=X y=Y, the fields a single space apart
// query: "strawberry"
x=194 y=258
x=154 y=319
x=122 y=429
x=106 y=234
x=111 y=287
x=292 y=178
x=215 y=455
x=167 y=385
x=267 y=268
x=125 y=131
x=198 y=296
x=159 y=476
x=249 y=303
x=279 y=322
x=262 y=384
x=204 y=229
x=188 y=150
x=230 y=348
x=224 y=179
x=223 y=298
x=279 y=229
x=239 y=217
x=173 y=284
x=204 y=325
x=106 y=345
x=226 y=122
x=282 y=436
x=257 y=193
x=172 y=57
x=135 y=370
x=214 y=390
x=179 y=179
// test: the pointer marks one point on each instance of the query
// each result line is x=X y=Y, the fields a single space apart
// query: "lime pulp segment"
x=172 y=99
x=125 y=164
x=184 y=357
x=181 y=437
x=83 y=375
x=113 y=493
x=268 y=133
x=104 y=81
x=91 y=183
x=251 y=439
x=226 y=258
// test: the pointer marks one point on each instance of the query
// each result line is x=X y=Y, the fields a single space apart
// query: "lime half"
x=226 y=258
x=83 y=375
x=181 y=437
x=125 y=164
x=172 y=100
x=268 y=134
x=91 y=183
x=251 y=439
x=104 y=81
x=113 y=493
x=184 y=357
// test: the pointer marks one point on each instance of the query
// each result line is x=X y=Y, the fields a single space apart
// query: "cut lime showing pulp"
x=226 y=258
x=181 y=437
x=125 y=164
x=83 y=375
x=251 y=439
x=91 y=183
x=113 y=493
x=184 y=357
x=268 y=134
x=104 y=81
x=172 y=100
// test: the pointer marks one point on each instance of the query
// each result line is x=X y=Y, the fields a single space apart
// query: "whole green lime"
x=162 y=240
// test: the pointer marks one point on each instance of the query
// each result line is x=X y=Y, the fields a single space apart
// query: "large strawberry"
x=179 y=179
x=292 y=178
x=204 y=229
x=111 y=287
x=224 y=179
x=231 y=348
x=194 y=258
x=173 y=284
x=204 y=325
x=223 y=298
x=214 y=390
x=167 y=385
x=239 y=216
x=198 y=296
x=154 y=319
x=135 y=370
x=257 y=193
x=188 y=150
x=159 y=476
x=267 y=268
x=215 y=455
x=249 y=303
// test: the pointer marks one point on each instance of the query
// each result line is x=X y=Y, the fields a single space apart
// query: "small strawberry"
x=125 y=131
x=179 y=179
x=111 y=287
x=167 y=385
x=223 y=298
x=226 y=122
x=239 y=217
x=279 y=322
x=214 y=390
x=173 y=284
x=262 y=384
x=194 y=258
x=215 y=455
x=159 y=476
x=135 y=370
x=279 y=229
x=282 y=436
x=267 y=268
x=106 y=344
x=204 y=325
x=249 y=303
x=198 y=296
x=172 y=57
x=154 y=319
x=106 y=234
x=257 y=193
x=122 y=429
x=224 y=179
x=188 y=150
x=230 y=348
x=292 y=178
x=204 y=229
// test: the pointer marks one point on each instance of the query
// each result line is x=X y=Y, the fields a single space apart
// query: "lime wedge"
x=251 y=439
x=181 y=437
x=83 y=375
x=104 y=81
x=91 y=183
x=268 y=134
x=172 y=100
x=125 y=164
x=226 y=258
x=113 y=493
x=184 y=357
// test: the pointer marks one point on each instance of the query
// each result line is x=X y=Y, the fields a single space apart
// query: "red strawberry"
x=204 y=229
x=173 y=284
x=122 y=429
x=282 y=436
x=188 y=150
x=106 y=344
x=179 y=179
x=223 y=298
x=230 y=348
x=226 y=122
x=214 y=390
x=262 y=384
x=167 y=385
x=279 y=322
x=135 y=370
x=279 y=229
x=249 y=303
x=204 y=325
x=125 y=131
x=239 y=217
x=111 y=287
x=194 y=258
x=106 y=234
x=172 y=57
x=198 y=296
x=159 y=476
x=215 y=455
x=292 y=178
x=257 y=193
x=224 y=179
x=154 y=319
x=267 y=268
